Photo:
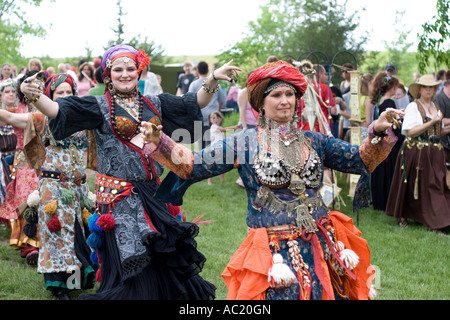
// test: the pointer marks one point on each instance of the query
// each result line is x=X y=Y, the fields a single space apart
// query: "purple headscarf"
x=117 y=49
x=123 y=50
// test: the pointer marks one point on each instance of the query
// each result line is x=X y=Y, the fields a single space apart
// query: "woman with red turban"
x=296 y=247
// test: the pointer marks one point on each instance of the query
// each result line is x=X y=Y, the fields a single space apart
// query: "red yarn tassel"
x=98 y=275
x=54 y=225
x=106 y=222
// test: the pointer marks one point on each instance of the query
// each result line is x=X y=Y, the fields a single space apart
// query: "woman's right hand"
x=30 y=88
x=438 y=117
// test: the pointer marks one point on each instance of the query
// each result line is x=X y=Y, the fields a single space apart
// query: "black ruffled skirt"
x=173 y=262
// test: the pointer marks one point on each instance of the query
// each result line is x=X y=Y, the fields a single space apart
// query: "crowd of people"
x=110 y=120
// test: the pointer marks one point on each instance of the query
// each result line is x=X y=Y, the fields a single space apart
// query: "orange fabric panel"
x=247 y=272
x=350 y=236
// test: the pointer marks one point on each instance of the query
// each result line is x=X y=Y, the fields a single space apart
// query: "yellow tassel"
x=85 y=215
x=416 y=188
x=50 y=207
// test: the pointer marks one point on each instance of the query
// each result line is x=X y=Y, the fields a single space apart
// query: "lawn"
x=411 y=263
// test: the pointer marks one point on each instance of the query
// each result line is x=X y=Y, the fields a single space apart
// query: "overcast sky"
x=189 y=27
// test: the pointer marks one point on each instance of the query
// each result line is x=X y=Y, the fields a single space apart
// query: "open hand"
x=227 y=72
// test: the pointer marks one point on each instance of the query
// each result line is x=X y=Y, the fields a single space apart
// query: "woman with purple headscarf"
x=144 y=252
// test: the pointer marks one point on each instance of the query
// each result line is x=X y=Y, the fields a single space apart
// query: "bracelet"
x=378 y=136
x=32 y=100
x=208 y=89
x=214 y=76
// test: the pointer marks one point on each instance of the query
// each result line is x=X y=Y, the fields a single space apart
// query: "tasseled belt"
x=281 y=276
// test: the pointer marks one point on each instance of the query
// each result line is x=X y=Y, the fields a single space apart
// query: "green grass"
x=412 y=262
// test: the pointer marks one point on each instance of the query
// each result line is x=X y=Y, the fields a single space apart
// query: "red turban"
x=55 y=80
x=281 y=70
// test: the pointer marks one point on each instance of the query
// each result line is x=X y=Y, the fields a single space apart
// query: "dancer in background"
x=419 y=191
x=63 y=203
x=24 y=180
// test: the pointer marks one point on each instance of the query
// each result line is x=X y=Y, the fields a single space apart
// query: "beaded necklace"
x=138 y=106
x=133 y=109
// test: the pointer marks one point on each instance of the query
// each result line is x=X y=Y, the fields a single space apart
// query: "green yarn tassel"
x=67 y=196
x=86 y=203
x=30 y=215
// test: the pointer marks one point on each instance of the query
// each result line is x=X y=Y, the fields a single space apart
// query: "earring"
x=295 y=118
x=261 y=121
x=112 y=89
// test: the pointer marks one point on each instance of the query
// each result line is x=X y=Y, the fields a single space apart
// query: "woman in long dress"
x=419 y=191
x=296 y=248
x=62 y=194
x=24 y=180
x=144 y=251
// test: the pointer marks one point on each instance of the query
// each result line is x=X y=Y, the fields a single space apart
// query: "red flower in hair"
x=142 y=59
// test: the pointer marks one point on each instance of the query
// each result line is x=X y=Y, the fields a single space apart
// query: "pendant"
x=297 y=185
x=304 y=219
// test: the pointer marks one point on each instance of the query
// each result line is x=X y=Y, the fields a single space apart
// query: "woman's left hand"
x=151 y=133
x=388 y=118
x=226 y=72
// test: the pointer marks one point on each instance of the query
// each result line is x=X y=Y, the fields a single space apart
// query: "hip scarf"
x=149 y=237
x=341 y=261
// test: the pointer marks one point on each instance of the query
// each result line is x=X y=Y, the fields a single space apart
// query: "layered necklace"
x=283 y=155
x=135 y=110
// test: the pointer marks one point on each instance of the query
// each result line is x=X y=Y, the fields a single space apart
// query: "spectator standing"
x=442 y=99
x=401 y=97
x=35 y=64
x=232 y=98
x=99 y=89
x=215 y=104
x=85 y=79
x=327 y=104
x=390 y=69
x=418 y=187
x=6 y=71
x=383 y=88
x=218 y=133
x=149 y=83
x=186 y=79
x=345 y=84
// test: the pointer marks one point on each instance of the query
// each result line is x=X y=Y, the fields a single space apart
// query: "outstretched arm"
x=34 y=94
x=18 y=120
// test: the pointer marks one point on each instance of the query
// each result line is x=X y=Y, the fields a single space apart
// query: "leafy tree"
x=434 y=38
x=156 y=52
x=153 y=50
x=11 y=32
x=294 y=27
x=120 y=27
